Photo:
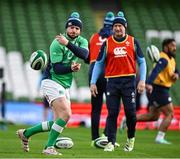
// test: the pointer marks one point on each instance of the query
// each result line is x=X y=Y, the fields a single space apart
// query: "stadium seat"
x=73 y=91
x=165 y=34
x=33 y=81
x=16 y=68
x=84 y=94
x=171 y=16
x=177 y=37
x=151 y=34
x=34 y=24
x=4 y=65
x=144 y=15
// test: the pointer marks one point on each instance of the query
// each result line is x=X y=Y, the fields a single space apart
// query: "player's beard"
x=73 y=35
x=172 y=53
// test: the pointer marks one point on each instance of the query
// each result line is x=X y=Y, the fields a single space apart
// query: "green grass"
x=145 y=147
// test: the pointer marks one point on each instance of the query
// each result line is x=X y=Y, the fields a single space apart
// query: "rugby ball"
x=64 y=143
x=153 y=53
x=38 y=60
x=101 y=142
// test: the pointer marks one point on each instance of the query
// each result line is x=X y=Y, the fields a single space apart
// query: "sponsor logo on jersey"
x=120 y=52
x=101 y=41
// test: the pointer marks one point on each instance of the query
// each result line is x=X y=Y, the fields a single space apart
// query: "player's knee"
x=68 y=114
x=131 y=114
x=65 y=114
x=113 y=113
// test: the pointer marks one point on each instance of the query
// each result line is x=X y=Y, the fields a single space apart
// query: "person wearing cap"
x=64 y=52
x=119 y=54
x=95 y=44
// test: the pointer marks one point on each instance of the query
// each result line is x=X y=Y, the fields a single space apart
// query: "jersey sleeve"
x=161 y=65
x=84 y=43
x=140 y=60
x=56 y=52
x=99 y=65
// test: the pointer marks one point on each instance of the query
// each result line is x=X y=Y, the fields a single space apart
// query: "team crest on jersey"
x=70 y=55
x=127 y=43
x=120 y=52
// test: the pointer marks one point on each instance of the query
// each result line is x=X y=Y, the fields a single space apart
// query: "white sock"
x=160 y=135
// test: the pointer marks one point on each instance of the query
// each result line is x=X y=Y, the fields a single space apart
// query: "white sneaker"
x=116 y=144
x=24 y=140
x=129 y=144
x=163 y=141
x=109 y=147
x=50 y=151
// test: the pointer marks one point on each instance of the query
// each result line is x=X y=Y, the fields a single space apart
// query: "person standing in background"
x=95 y=43
x=119 y=55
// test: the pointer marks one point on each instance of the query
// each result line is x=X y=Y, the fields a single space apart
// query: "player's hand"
x=175 y=76
x=62 y=39
x=141 y=86
x=93 y=90
x=149 y=88
x=75 y=66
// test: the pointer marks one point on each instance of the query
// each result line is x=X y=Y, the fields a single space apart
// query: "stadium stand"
x=4 y=65
x=32 y=24
x=33 y=80
x=152 y=21
x=177 y=37
x=18 y=76
x=151 y=34
x=165 y=34
x=73 y=91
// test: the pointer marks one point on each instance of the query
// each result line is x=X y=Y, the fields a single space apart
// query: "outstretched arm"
x=78 y=51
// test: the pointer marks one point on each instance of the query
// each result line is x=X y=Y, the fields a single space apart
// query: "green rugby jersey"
x=60 y=53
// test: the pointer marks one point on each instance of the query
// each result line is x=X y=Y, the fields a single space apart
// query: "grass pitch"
x=145 y=147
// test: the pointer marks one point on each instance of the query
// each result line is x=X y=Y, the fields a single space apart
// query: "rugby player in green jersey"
x=64 y=52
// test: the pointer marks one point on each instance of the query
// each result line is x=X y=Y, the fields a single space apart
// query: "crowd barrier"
x=32 y=113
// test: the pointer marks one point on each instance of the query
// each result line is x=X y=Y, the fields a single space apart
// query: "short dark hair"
x=166 y=42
